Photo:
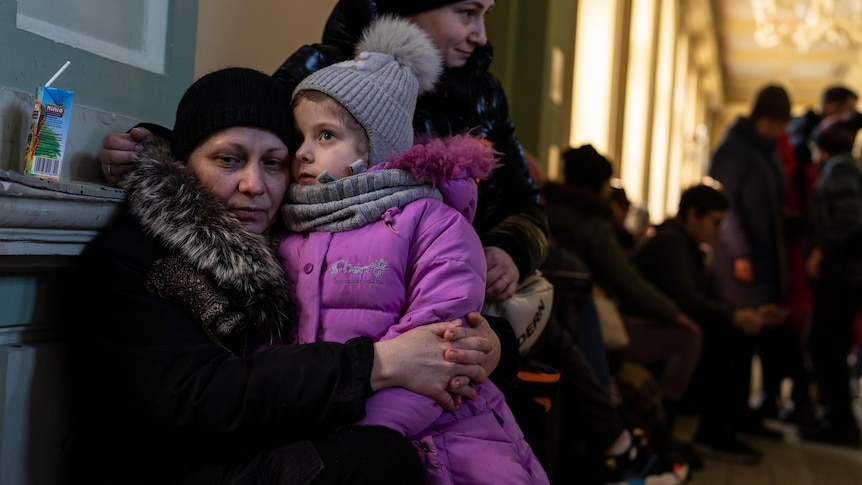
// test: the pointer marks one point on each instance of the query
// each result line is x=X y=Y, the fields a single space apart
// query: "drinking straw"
x=57 y=74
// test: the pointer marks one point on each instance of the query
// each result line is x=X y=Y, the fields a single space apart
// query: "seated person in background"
x=580 y=218
x=381 y=237
x=674 y=260
x=581 y=221
x=590 y=441
x=595 y=444
x=166 y=393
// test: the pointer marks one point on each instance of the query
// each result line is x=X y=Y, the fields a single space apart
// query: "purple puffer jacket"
x=419 y=264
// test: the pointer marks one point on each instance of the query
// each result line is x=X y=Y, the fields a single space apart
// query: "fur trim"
x=408 y=44
x=438 y=160
x=173 y=206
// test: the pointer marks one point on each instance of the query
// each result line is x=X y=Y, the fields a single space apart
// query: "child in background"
x=381 y=236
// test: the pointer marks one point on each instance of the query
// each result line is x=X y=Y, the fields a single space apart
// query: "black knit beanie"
x=410 y=7
x=771 y=102
x=230 y=97
x=585 y=167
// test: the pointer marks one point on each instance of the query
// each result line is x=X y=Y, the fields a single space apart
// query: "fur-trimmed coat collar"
x=173 y=207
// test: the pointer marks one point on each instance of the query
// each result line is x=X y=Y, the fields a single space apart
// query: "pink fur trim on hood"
x=451 y=164
x=440 y=159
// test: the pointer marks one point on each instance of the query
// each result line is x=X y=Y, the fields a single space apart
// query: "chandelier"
x=805 y=23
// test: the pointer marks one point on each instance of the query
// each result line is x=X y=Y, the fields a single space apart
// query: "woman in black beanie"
x=510 y=219
x=168 y=392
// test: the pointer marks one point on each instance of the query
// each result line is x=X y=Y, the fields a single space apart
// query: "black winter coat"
x=156 y=398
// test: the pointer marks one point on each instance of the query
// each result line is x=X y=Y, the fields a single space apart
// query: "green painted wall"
x=29 y=60
x=523 y=33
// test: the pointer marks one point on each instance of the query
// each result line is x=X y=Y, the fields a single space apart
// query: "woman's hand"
x=417 y=360
x=478 y=344
x=503 y=275
x=118 y=152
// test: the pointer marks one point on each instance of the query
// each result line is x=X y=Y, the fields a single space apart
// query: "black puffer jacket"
x=468 y=99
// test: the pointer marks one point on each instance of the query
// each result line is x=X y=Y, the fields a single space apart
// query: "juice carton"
x=49 y=127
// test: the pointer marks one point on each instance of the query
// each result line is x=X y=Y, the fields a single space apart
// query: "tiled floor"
x=791 y=462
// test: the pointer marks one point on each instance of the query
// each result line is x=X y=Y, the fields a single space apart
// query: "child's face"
x=324 y=142
x=247 y=170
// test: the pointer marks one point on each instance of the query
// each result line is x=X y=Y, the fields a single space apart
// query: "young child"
x=381 y=236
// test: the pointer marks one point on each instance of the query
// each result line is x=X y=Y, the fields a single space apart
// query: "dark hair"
x=836 y=133
x=703 y=198
x=585 y=167
x=771 y=102
x=837 y=94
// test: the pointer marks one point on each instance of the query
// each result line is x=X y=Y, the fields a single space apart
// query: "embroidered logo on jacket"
x=342 y=266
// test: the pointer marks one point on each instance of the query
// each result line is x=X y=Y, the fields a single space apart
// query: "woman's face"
x=456 y=29
x=247 y=169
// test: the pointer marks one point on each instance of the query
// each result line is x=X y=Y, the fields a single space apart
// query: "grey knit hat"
x=395 y=62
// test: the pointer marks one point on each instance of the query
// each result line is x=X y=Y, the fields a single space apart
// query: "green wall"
x=523 y=33
x=29 y=60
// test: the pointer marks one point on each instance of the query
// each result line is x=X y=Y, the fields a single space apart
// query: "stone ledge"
x=44 y=217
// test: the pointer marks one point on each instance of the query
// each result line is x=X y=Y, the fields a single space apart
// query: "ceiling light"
x=804 y=23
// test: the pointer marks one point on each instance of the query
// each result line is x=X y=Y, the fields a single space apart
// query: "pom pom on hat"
x=585 y=167
x=396 y=62
x=229 y=97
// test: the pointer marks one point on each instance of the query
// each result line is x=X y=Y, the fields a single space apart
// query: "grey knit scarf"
x=352 y=202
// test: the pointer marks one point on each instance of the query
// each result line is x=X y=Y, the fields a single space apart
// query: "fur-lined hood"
x=173 y=207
